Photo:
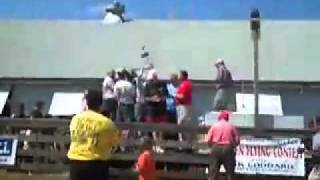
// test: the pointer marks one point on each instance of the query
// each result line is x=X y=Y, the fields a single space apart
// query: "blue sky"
x=161 y=9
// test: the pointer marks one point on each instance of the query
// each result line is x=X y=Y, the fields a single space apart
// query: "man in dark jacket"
x=225 y=96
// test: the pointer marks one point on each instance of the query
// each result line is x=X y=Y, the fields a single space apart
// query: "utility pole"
x=255 y=32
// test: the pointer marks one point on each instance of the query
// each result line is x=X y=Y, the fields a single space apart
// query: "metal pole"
x=255 y=29
x=256 y=73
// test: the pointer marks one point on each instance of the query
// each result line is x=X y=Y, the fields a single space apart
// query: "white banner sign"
x=268 y=104
x=66 y=104
x=8 y=149
x=3 y=100
x=270 y=157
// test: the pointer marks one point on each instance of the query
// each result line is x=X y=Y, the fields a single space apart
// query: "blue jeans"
x=224 y=99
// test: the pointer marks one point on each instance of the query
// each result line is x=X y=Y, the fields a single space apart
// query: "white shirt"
x=107 y=88
x=141 y=82
x=125 y=92
x=110 y=18
x=172 y=90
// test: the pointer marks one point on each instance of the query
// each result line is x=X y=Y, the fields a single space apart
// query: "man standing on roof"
x=223 y=138
x=111 y=16
x=225 y=95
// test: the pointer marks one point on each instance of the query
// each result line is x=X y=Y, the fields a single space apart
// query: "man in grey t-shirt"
x=125 y=94
x=224 y=98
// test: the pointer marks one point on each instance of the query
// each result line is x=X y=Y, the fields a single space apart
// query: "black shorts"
x=89 y=170
x=109 y=108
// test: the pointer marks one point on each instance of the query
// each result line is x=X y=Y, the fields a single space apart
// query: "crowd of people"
x=142 y=97
x=139 y=96
x=94 y=138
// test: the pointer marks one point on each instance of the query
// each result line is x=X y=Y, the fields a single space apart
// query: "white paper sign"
x=65 y=104
x=8 y=149
x=270 y=157
x=3 y=100
x=268 y=104
x=316 y=142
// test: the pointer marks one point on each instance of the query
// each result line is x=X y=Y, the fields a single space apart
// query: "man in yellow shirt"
x=93 y=138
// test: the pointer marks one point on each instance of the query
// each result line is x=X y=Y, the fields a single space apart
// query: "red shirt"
x=223 y=133
x=146 y=166
x=185 y=90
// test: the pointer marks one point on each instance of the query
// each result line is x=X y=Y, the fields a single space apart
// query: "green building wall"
x=87 y=49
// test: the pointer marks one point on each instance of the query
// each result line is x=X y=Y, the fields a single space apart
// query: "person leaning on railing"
x=93 y=138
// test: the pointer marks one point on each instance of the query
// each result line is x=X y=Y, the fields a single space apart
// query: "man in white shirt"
x=109 y=105
x=111 y=17
x=125 y=94
x=140 y=85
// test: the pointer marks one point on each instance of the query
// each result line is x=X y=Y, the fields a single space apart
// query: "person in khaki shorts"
x=184 y=102
x=223 y=138
x=315 y=173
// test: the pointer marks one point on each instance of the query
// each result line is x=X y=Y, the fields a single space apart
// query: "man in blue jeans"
x=125 y=94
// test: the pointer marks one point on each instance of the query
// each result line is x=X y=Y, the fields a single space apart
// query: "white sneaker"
x=158 y=149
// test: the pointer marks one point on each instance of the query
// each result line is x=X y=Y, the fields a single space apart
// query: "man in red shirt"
x=146 y=166
x=184 y=101
x=223 y=138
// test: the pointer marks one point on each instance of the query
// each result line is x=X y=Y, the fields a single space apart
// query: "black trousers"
x=222 y=155
x=89 y=170
x=109 y=108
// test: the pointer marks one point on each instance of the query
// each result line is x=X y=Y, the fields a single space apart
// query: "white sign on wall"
x=3 y=100
x=66 y=104
x=268 y=104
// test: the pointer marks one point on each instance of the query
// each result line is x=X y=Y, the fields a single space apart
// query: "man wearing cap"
x=224 y=95
x=223 y=138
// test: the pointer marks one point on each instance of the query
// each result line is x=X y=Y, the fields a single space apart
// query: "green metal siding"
x=87 y=49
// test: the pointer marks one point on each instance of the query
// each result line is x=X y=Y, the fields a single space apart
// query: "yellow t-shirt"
x=93 y=137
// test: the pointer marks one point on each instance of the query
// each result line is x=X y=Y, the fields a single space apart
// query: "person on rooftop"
x=111 y=16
